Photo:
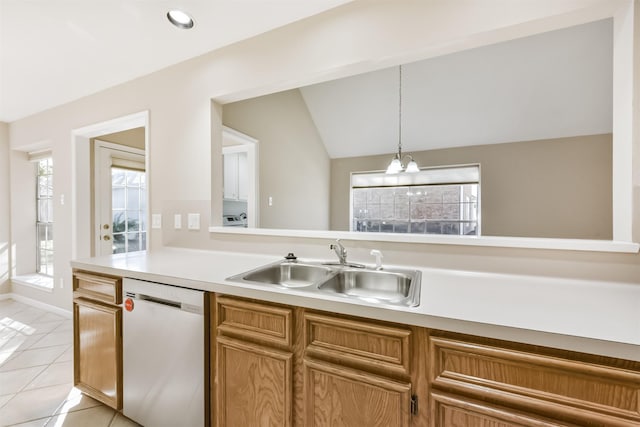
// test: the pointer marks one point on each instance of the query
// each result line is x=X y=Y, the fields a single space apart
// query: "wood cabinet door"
x=255 y=385
x=98 y=351
x=338 y=396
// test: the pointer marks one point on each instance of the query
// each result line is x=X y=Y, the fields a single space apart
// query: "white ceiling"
x=55 y=51
x=550 y=85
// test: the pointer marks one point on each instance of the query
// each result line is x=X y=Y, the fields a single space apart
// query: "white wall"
x=5 y=218
x=344 y=41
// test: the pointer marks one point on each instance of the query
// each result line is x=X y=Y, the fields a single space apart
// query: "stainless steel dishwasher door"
x=163 y=355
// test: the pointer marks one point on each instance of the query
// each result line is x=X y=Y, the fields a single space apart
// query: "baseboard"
x=38 y=304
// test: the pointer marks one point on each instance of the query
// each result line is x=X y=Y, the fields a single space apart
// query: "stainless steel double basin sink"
x=389 y=286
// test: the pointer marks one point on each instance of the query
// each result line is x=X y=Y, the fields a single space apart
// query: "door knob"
x=106 y=237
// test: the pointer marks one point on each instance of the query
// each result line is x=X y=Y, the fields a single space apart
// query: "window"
x=44 y=216
x=433 y=201
x=128 y=204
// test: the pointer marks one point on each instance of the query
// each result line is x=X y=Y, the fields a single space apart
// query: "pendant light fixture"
x=397 y=165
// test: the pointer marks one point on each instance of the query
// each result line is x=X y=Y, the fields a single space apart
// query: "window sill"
x=486 y=241
x=37 y=281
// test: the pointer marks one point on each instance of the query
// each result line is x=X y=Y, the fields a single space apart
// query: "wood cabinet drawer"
x=97 y=287
x=358 y=343
x=452 y=410
x=260 y=321
x=562 y=388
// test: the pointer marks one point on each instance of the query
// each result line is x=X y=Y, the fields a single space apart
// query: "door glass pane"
x=128 y=210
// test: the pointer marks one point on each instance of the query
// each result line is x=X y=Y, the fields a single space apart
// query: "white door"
x=120 y=199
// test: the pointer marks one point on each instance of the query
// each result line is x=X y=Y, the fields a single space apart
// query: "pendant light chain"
x=400 y=111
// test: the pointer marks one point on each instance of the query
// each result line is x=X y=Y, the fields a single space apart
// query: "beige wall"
x=550 y=188
x=131 y=138
x=5 y=211
x=293 y=162
x=347 y=40
x=23 y=213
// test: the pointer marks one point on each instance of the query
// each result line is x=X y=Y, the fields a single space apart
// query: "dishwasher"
x=164 y=366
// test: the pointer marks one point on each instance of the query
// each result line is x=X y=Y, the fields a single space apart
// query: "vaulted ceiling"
x=549 y=85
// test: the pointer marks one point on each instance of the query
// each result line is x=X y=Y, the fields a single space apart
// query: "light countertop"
x=590 y=316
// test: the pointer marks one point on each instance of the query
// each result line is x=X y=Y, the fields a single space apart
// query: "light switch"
x=177 y=221
x=193 y=221
x=156 y=220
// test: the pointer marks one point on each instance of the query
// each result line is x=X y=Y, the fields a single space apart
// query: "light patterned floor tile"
x=9 y=307
x=34 y=404
x=121 y=421
x=40 y=327
x=51 y=317
x=16 y=380
x=28 y=315
x=35 y=357
x=4 y=399
x=54 y=374
x=35 y=423
x=67 y=356
x=100 y=416
x=77 y=401
x=65 y=326
x=21 y=342
x=54 y=338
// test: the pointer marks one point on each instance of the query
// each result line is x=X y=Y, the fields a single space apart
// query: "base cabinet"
x=558 y=387
x=280 y=365
x=98 y=337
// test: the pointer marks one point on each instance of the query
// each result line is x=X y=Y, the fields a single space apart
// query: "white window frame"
x=431 y=176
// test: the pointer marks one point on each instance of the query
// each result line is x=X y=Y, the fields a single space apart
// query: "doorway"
x=83 y=235
x=240 y=179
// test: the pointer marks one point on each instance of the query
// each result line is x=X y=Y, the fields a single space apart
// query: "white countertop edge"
x=487 y=241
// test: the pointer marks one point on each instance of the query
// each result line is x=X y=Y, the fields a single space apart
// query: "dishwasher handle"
x=155 y=300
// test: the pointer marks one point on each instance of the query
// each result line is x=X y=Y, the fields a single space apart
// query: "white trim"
x=622 y=147
x=237 y=136
x=488 y=241
x=38 y=304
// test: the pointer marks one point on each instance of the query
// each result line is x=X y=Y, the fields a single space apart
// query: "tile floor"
x=36 y=373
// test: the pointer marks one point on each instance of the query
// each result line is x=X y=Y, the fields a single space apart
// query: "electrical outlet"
x=177 y=221
x=193 y=221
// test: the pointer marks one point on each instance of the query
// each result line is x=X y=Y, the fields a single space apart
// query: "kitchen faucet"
x=340 y=251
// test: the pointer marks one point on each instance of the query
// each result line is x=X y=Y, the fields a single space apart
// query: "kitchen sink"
x=384 y=286
x=398 y=287
x=288 y=274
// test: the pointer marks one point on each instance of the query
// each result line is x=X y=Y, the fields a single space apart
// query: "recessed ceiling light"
x=180 y=19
